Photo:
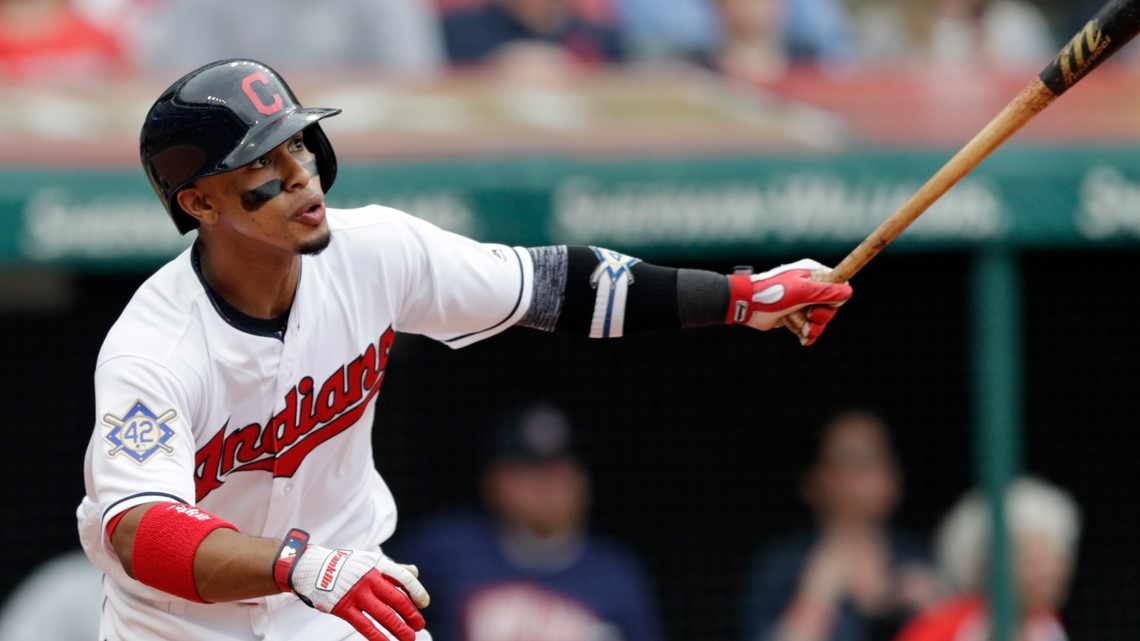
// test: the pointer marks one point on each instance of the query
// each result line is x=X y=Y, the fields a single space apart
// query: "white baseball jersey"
x=272 y=432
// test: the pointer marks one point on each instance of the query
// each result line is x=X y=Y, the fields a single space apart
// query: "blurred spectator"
x=130 y=20
x=818 y=31
x=59 y=601
x=851 y=577
x=529 y=569
x=752 y=49
x=955 y=34
x=48 y=41
x=1044 y=525
x=601 y=11
x=763 y=38
x=399 y=37
x=504 y=31
x=669 y=28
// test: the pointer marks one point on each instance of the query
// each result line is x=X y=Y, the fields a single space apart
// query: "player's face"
x=275 y=202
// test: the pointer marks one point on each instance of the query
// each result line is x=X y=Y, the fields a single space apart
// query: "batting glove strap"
x=739 y=299
x=364 y=588
x=292 y=547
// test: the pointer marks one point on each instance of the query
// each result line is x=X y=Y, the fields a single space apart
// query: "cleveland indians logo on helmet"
x=259 y=78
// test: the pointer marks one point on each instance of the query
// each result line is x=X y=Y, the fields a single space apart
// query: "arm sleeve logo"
x=140 y=433
x=611 y=278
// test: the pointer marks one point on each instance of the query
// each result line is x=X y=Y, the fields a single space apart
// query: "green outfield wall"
x=1023 y=197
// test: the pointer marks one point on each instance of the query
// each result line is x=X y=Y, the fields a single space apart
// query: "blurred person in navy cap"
x=528 y=567
x=534 y=41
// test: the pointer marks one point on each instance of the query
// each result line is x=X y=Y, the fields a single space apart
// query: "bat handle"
x=796 y=320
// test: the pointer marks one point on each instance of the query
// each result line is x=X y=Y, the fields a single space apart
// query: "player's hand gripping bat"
x=1110 y=29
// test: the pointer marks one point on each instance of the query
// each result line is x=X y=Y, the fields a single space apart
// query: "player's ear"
x=196 y=202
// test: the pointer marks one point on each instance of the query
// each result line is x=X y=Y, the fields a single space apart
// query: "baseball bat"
x=1113 y=26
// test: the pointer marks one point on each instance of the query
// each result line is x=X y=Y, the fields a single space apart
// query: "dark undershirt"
x=274 y=327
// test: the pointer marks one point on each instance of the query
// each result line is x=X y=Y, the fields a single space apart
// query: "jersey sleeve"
x=457 y=290
x=143 y=448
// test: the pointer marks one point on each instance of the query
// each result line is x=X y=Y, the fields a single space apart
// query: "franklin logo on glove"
x=332 y=569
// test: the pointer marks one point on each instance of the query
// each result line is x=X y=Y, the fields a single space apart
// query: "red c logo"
x=247 y=87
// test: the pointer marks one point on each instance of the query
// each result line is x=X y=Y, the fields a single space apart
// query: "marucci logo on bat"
x=1082 y=52
x=311 y=416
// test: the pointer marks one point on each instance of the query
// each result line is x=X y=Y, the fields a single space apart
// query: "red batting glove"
x=351 y=584
x=761 y=301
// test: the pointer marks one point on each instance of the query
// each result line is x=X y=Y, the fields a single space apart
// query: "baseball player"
x=230 y=487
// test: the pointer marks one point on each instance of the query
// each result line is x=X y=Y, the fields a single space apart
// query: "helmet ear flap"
x=182 y=220
x=318 y=143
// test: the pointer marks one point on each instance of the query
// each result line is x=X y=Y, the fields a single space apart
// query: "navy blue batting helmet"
x=221 y=117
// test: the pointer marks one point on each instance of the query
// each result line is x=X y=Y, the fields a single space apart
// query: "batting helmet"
x=221 y=117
